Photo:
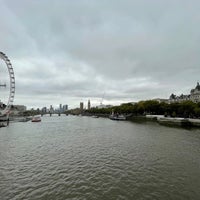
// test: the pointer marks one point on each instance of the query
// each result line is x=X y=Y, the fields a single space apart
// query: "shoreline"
x=161 y=119
x=173 y=121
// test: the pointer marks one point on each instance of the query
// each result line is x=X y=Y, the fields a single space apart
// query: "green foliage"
x=174 y=114
x=183 y=109
x=197 y=112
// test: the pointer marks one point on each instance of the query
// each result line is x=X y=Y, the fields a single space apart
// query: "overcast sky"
x=67 y=51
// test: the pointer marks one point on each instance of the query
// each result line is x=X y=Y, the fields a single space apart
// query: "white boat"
x=116 y=116
x=119 y=117
x=95 y=116
x=36 y=119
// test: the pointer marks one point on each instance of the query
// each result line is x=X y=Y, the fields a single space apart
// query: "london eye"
x=7 y=85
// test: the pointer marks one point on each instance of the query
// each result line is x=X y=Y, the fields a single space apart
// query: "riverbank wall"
x=160 y=119
x=174 y=121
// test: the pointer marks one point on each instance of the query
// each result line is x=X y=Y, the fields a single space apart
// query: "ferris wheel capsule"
x=6 y=109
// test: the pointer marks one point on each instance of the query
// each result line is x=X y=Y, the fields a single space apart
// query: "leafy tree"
x=197 y=112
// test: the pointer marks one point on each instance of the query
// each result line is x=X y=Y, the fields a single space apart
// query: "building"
x=60 y=108
x=44 y=110
x=159 y=100
x=81 y=106
x=20 y=108
x=65 y=108
x=51 y=109
x=17 y=109
x=89 y=106
x=194 y=96
x=104 y=106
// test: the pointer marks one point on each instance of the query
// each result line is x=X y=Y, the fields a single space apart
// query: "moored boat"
x=95 y=116
x=117 y=117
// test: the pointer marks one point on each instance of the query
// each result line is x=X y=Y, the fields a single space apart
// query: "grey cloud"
x=132 y=49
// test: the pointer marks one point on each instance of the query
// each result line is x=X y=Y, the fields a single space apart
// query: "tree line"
x=183 y=109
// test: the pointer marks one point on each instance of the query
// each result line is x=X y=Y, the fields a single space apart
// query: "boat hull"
x=36 y=119
x=118 y=118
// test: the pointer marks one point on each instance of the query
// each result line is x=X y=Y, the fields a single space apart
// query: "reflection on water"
x=87 y=158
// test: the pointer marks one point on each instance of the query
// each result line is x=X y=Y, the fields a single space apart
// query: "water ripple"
x=86 y=158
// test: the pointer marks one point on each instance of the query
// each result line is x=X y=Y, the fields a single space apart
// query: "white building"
x=159 y=100
x=193 y=96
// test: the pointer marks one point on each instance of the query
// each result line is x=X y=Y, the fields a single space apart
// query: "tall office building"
x=81 y=106
x=44 y=110
x=60 y=108
x=89 y=105
x=65 y=107
x=51 y=110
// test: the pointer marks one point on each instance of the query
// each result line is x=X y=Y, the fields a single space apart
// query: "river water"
x=72 y=157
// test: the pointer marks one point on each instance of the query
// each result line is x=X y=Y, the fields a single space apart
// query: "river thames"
x=72 y=157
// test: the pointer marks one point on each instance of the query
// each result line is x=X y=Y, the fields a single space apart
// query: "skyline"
x=177 y=98
x=68 y=52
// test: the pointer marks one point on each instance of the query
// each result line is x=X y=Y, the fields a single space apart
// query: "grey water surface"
x=72 y=157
